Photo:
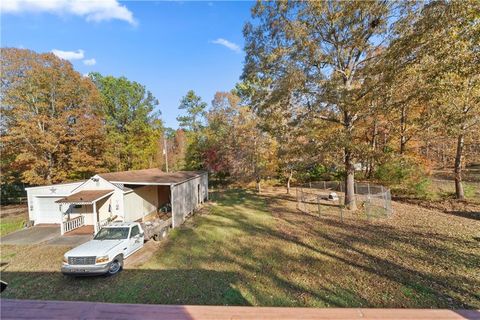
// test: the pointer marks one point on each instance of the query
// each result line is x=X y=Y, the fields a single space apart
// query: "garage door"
x=47 y=210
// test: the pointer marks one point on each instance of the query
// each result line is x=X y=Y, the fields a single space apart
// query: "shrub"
x=405 y=175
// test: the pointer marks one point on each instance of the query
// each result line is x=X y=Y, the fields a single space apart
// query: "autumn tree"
x=443 y=43
x=233 y=143
x=132 y=123
x=319 y=54
x=192 y=122
x=219 y=147
x=51 y=119
x=176 y=148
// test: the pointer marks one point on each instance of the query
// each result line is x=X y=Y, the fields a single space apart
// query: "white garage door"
x=47 y=210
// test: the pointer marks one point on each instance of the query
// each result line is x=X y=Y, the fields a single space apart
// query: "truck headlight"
x=65 y=260
x=101 y=259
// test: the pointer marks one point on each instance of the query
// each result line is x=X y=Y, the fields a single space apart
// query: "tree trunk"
x=403 y=129
x=350 y=202
x=459 y=194
x=289 y=179
x=257 y=180
x=371 y=164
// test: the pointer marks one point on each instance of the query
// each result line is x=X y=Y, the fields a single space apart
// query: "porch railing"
x=73 y=224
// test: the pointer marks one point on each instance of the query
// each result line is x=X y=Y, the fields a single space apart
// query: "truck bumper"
x=90 y=270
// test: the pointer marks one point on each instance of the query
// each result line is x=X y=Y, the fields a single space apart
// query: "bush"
x=405 y=175
x=319 y=172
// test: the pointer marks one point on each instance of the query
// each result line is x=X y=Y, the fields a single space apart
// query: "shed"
x=118 y=196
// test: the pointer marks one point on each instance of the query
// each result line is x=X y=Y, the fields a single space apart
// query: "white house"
x=117 y=196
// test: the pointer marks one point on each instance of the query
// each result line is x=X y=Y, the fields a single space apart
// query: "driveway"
x=70 y=241
x=33 y=235
x=49 y=234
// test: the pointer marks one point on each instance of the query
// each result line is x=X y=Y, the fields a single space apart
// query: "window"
x=112 y=234
x=135 y=231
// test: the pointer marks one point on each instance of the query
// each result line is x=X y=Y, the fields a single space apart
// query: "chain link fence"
x=328 y=197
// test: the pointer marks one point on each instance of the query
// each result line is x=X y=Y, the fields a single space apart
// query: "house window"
x=77 y=206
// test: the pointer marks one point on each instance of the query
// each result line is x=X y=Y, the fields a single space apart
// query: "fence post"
x=319 y=206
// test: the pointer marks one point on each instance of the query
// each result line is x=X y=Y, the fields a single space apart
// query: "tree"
x=319 y=55
x=443 y=42
x=195 y=109
x=51 y=119
x=132 y=124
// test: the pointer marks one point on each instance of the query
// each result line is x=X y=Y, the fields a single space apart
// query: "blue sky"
x=170 y=47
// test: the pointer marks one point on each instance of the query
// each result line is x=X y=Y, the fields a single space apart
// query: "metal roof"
x=150 y=176
x=85 y=196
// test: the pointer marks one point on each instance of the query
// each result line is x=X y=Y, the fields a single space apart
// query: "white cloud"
x=230 y=45
x=69 y=55
x=92 y=10
x=89 y=62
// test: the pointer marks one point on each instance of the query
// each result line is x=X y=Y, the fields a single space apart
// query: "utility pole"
x=165 y=153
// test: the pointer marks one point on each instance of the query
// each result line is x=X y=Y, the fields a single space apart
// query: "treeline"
x=333 y=89
x=58 y=125
x=348 y=90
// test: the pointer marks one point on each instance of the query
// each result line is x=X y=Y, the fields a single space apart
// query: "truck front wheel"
x=115 y=266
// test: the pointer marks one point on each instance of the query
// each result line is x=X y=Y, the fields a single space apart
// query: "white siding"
x=115 y=201
x=187 y=196
x=50 y=194
x=140 y=202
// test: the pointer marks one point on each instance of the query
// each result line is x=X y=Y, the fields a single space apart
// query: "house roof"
x=57 y=184
x=85 y=196
x=150 y=176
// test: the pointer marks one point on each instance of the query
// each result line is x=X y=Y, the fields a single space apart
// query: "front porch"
x=81 y=231
x=82 y=215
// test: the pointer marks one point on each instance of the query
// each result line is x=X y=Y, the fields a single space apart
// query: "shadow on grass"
x=193 y=286
x=465 y=214
x=260 y=250
x=362 y=250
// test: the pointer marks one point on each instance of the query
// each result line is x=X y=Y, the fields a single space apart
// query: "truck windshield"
x=112 y=234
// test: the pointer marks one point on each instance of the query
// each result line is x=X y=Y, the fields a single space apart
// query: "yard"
x=12 y=218
x=246 y=249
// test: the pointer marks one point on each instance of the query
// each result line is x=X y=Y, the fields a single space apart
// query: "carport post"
x=62 y=227
x=95 y=218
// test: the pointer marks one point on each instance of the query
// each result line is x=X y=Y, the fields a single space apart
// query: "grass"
x=246 y=249
x=442 y=189
x=12 y=218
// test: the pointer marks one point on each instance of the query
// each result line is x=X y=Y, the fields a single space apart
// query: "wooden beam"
x=35 y=309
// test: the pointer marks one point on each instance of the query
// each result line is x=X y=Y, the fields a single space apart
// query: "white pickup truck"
x=106 y=252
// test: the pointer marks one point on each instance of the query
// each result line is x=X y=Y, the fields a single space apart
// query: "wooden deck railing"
x=31 y=309
x=73 y=224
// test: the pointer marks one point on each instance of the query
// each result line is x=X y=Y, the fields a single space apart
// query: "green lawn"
x=14 y=221
x=246 y=249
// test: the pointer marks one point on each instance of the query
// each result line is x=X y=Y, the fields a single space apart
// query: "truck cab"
x=105 y=253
